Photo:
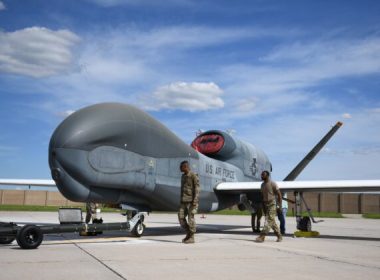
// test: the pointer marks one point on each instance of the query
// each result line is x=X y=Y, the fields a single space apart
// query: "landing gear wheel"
x=6 y=240
x=138 y=231
x=305 y=224
x=241 y=207
x=29 y=237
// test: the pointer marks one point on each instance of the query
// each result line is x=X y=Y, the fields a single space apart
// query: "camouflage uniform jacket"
x=190 y=188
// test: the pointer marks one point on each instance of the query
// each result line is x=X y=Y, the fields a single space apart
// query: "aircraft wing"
x=28 y=182
x=304 y=186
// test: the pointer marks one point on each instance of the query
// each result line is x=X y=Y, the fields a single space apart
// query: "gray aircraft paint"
x=116 y=153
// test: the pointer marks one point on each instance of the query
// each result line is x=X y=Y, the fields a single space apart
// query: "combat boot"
x=190 y=240
x=279 y=237
x=260 y=239
x=186 y=237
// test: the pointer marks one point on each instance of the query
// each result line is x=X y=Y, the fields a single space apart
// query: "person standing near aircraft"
x=281 y=213
x=270 y=193
x=189 y=201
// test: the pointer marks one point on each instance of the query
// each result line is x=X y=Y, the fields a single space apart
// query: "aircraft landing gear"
x=136 y=222
x=303 y=223
x=138 y=231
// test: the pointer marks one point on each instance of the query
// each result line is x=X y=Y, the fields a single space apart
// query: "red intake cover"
x=208 y=143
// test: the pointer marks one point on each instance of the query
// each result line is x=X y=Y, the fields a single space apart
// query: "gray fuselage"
x=117 y=154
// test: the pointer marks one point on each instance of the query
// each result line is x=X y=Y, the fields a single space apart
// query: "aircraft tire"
x=139 y=229
x=29 y=237
x=305 y=224
x=241 y=207
x=6 y=240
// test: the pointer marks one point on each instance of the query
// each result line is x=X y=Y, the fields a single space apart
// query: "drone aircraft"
x=117 y=154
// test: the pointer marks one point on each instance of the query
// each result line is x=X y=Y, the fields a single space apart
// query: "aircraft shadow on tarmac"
x=234 y=230
x=162 y=231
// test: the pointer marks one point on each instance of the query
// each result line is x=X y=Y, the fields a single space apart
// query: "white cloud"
x=65 y=114
x=188 y=36
x=187 y=97
x=346 y=116
x=326 y=60
x=287 y=76
x=2 y=6
x=246 y=105
x=7 y=150
x=37 y=51
x=131 y=57
x=122 y=64
x=288 y=138
x=375 y=110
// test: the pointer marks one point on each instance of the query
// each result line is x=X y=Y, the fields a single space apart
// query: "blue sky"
x=277 y=73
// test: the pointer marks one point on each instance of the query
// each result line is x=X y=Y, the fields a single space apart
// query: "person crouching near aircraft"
x=270 y=192
x=189 y=201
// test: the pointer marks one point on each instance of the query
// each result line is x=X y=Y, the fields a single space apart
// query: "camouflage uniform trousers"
x=187 y=210
x=90 y=211
x=270 y=218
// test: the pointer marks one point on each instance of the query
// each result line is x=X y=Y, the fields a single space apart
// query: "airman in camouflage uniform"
x=270 y=192
x=189 y=201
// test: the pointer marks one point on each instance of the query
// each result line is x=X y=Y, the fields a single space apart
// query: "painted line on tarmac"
x=115 y=240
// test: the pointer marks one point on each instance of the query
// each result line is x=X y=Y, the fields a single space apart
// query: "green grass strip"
x=38 y=208
x=371 y=216
x=246 y=213
x=231 y=212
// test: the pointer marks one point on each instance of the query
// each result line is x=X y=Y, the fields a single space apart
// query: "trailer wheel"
x=6 y=240
x=138 y=231
x=29 y=237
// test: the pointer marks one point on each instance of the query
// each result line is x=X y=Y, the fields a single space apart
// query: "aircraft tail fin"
x=310 y=156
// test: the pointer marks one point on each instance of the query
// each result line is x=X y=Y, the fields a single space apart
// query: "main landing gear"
x=303 y=223
x=136 y=221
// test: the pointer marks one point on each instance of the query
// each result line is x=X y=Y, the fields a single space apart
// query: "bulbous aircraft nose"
x=121 y=126
x=106 y=146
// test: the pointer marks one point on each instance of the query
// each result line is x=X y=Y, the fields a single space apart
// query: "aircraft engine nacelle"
x=222 y=146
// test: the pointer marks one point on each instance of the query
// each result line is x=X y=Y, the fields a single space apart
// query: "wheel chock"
x=300 y=233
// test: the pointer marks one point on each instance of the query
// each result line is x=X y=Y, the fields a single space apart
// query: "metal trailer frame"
x=30 y=236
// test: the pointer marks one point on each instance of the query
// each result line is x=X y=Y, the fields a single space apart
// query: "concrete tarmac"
x=347 y=249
